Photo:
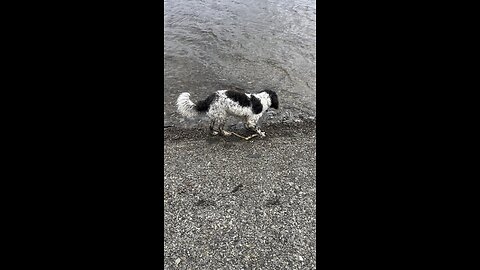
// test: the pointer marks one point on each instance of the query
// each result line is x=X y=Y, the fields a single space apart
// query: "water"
x=248 y=45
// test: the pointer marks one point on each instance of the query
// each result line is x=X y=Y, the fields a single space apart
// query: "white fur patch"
x=185 y=106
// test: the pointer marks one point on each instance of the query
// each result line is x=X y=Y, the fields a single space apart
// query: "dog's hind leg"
x=221 y=125
x=223 y=131
x=212 y=127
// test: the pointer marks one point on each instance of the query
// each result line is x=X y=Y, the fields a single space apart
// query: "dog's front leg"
x=258 y=131
x=253 y=127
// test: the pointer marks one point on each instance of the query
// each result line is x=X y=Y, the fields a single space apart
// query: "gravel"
x=235 y=204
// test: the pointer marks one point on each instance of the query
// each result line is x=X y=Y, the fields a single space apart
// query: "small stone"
x=177 y=261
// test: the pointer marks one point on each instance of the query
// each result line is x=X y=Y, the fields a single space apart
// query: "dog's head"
x=273 y=98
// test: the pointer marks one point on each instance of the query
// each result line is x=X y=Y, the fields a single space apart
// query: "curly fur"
x=221 y=104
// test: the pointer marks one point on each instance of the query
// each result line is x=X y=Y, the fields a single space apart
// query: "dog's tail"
x=185 y=106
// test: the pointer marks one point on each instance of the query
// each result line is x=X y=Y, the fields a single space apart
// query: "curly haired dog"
x=222 y=103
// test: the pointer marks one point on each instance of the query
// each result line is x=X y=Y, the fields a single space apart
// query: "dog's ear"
x=273 y=98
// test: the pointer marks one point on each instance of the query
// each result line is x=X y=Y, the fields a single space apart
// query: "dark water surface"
x=248 y=45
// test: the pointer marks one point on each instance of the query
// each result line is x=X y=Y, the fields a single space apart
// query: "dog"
x=219 y=105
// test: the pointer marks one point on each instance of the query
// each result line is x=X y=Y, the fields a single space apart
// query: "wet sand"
x=233 y=204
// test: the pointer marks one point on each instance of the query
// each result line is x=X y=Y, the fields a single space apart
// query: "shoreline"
x=272 y=129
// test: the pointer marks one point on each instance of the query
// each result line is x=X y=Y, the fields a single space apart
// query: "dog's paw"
x=262 y=134
x=226 y=133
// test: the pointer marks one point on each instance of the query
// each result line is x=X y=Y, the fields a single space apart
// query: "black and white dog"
x=222 y=103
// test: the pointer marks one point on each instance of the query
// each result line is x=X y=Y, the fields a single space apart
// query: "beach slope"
x=235 y=204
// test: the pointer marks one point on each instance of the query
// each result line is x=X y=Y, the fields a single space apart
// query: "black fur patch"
x=204 y=105
x=256 y=105
x=241 y=98
x=273 y=98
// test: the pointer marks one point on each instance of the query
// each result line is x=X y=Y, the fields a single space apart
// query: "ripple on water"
x=247 y=45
